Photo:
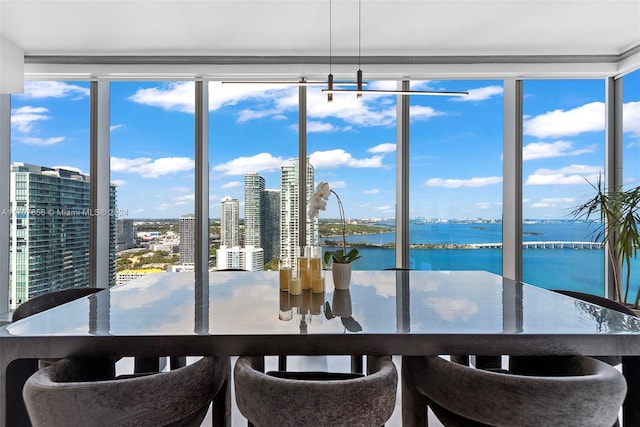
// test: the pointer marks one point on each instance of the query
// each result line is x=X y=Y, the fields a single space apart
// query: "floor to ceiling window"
x=351 y=142
x=631 y=157
x=49 y=197
x=456 y=177
x=253 y=157
x=152 y=167
x=563 y=155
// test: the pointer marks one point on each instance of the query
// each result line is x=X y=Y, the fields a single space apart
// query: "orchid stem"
x=344 y=226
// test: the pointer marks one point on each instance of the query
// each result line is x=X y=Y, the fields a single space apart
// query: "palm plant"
x=619 y=215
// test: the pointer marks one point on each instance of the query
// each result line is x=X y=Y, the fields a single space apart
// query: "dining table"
x=387 y=312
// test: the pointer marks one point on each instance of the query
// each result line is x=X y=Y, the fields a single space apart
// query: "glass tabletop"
x=378 y=302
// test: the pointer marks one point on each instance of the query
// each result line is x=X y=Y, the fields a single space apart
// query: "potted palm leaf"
x=617 y=214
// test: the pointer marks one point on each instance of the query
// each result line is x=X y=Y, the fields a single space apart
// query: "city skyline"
x=456 y=144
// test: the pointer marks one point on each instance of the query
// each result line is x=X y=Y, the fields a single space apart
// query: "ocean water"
x=575 y=269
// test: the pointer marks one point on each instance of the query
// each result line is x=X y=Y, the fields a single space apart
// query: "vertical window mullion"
x=100 y=172
x=402 y=178
x=5 y=168
x=512 y=181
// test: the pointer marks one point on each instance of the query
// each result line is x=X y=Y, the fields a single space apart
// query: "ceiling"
x=398 y=38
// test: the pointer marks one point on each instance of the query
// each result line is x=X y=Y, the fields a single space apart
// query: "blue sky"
x=456 y=143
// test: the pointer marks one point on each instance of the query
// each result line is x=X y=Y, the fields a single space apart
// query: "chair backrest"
x=598 y=300
x=566 y=390
x=316 y=399
x=64 y=394
x=50 y=300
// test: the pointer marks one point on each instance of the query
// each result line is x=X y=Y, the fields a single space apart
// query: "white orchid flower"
x=323 y=190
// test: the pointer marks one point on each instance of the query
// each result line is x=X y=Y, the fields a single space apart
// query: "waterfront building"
x=187 y=239
x=49 y=228
x=289 y=218
x=229 y=222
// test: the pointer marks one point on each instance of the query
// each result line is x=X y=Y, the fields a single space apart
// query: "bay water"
x=550 y=268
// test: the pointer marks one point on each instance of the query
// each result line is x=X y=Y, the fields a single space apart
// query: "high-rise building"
x=125 y=234
x=49 y=231
x=187 y=239
x=229 y=222
x=271 y=224
x=253 y=209
x=248 y=258
x=289 y=217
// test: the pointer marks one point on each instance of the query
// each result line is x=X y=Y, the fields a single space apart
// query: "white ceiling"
x=418 y=37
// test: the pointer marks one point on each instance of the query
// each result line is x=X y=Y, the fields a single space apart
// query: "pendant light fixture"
x=359 y=82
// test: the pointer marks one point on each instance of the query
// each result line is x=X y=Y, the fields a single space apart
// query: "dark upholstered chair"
x=20 y=370
x=528 y=363
x=565 y=390
x=316 y=399
x=69 y=393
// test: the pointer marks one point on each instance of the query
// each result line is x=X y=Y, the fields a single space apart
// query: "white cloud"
x=386 y=208
x=184 y=199
x=336 y=185
x=457 y=183
x=483 y=205
x=541 y=150
x=40 y=141
x=232 y=184
x=24 y=118
x=53 y=89
x=119 y=182
x=275 y=100
x=631 y=117
x=313 y=126
x=479 y=94
x=558 y=202
x=150 y=168
x=116 y=127
x=174 y=96
x=569 y=175
x=421 y=112
x=368 y=111
x=181 y=189
x=372 y=191
x=246 y=115
x=340 y=158
x=242 y=165
x=559 y=123
x=387 y=147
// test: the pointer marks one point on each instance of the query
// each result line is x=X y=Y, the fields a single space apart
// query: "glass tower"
x=49 y=231
x=229 y=222
x=271 y=224
x=187 y=239
x=253 y=209
x=289 y=218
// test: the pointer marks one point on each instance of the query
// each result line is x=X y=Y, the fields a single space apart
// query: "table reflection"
x=381 y=302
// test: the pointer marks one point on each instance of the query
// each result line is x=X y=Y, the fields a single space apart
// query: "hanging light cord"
x=330 y=34
x=359 y=31
x=359 y=73
x=330 y=78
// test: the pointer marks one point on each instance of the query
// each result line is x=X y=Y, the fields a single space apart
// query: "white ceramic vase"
x=341 y=275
